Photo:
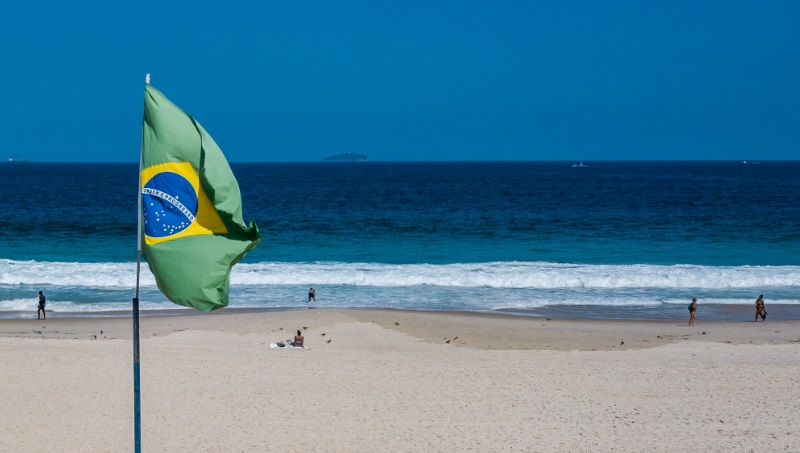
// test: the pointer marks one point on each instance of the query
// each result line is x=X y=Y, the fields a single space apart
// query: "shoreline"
x=709 y=313
x=473 y=330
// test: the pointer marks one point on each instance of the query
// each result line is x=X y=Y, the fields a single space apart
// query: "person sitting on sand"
x=692 y=311
x=298 y=340
x=760 y=311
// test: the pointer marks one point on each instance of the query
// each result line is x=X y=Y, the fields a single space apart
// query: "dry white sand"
x=388 y=381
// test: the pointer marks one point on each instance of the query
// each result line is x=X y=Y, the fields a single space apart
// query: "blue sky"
x=411 y=80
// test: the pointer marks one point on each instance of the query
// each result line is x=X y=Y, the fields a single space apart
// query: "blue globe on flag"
x=170 y=205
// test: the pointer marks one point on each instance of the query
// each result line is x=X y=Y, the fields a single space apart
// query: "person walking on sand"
x=692 y=311
x=760 y=311
x=42 y=303
x=312 y=295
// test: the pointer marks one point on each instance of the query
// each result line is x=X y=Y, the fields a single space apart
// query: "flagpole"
x=137 y=403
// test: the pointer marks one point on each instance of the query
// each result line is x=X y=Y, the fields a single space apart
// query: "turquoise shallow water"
x=609 y=240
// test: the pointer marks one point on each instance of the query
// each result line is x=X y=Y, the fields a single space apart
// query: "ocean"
x=611 y=240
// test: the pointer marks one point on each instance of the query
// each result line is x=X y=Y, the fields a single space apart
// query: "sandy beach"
x=383 y=380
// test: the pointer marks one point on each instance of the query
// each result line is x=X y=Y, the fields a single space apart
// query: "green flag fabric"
x=192 y=208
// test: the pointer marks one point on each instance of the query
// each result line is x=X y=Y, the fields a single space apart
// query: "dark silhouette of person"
x=42 y=303
x=692 y=311
x=760 y=310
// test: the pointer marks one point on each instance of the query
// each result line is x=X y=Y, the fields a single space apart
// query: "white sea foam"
x=97 y=288
x=516 y=275
x=511 y=275
x=94 y=275
x=30 y=305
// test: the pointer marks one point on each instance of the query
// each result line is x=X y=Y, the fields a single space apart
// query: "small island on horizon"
x=346 y=157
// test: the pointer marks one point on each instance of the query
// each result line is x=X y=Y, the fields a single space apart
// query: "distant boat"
x=346 y=157
x=11 y=160
x=579 y=165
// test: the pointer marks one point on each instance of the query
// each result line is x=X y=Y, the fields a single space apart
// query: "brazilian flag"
x=192 y=208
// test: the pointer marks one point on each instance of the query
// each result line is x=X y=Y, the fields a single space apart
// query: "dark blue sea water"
x=609 y=239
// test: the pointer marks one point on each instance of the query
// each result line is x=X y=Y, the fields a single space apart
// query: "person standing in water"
x=692 y=311
x=760 y=310
x=312 y=295
x=42 y=303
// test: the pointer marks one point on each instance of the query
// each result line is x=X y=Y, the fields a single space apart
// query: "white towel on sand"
x=285 y=346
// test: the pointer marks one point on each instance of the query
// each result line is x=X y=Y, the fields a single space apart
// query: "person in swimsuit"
x=312 y=295
x=760 y=311
x=692 y=311
x=42 y=303
x=298 y=340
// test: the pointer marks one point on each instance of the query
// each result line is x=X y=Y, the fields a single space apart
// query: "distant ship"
x=579 y=164
x=11 y=160
x=346 y=157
